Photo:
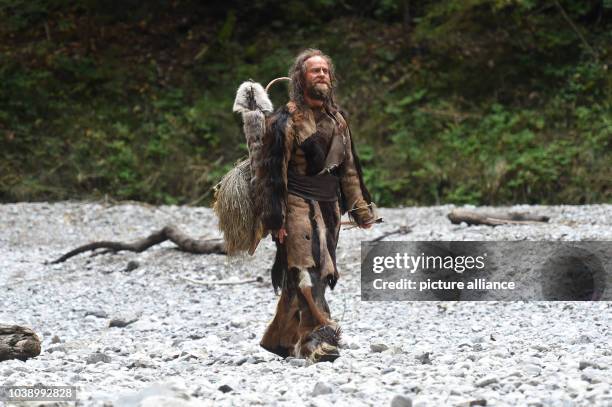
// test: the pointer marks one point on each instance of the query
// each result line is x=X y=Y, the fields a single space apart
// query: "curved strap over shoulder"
x=341 y=121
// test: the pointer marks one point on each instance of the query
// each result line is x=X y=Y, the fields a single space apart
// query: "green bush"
x=480 y=101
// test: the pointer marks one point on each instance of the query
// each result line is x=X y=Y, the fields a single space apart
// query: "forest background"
x=460 y=101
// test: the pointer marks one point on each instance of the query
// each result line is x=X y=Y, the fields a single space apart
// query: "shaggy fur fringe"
x=252 y=96
x=236 y=204
x=272 y=180
x=234 y=207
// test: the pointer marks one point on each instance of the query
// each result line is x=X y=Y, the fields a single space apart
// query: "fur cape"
x=287 y=129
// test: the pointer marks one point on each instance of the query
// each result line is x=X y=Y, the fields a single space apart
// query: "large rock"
x=18 y=342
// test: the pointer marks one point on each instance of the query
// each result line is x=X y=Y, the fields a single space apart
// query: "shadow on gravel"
x=573 y=274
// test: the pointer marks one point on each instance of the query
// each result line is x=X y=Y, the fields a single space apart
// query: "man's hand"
x=281 y=234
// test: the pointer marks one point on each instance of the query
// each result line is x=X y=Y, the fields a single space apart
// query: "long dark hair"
x=297 y=74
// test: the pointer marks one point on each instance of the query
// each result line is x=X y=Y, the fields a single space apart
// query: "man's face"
x=318 y=82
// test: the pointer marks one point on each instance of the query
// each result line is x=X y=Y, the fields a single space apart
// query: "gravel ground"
x=198 y=345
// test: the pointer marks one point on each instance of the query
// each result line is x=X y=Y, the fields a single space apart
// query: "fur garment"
x=297 y=141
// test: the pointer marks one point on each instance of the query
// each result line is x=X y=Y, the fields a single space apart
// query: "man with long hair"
x=310 y=176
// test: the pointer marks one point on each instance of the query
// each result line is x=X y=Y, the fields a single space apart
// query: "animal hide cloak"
x=310 y=175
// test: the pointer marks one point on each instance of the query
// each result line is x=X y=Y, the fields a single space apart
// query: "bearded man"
x=309 y=177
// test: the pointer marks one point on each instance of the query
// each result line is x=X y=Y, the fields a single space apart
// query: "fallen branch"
x=184 y=242
x=223 y=282
x=402 y=230
x=494 y=219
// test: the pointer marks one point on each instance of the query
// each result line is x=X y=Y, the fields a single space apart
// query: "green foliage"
x=479 y=101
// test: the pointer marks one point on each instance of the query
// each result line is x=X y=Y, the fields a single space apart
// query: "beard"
x=318 y=91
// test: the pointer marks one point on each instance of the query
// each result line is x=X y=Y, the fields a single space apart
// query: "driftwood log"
x=18 y=342
x=494 y=219
x=402 y=230
x=210 y=283
x=172 y=233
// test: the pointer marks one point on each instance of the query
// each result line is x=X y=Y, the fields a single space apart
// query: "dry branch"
x=184 y=242
x=402 y=230
x=494 y=219
x=222 y=282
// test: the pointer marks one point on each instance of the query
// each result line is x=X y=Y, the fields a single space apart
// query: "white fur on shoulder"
x=250 y=92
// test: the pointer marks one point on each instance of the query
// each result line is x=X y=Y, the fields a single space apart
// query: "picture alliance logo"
x=411 y=263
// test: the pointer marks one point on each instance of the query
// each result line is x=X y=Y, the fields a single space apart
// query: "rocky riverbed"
x=177 y=343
